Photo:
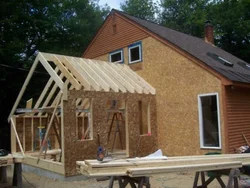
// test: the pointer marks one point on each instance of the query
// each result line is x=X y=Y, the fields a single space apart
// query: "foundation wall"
x=76 y=150
x=178 y=82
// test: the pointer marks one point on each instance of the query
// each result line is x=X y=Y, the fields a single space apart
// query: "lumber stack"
x=136 y=167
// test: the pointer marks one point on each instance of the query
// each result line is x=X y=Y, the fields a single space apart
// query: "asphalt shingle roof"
x=197 y=48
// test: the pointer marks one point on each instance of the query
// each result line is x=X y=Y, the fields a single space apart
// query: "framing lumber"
x=24 y=141
x=151 y=89
x=103 y=75
x=13 y=136
x=48 y=128
x=137 y=172
x=94 y=74
x=110 y=75
x=45 y=90
x=17 y=137
x=27 y=80
x=66 y=73
x=137 y=87
x=50 y=70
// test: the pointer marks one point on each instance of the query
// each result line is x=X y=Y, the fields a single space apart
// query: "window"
x=116 y=56
x=209 y=118
x=135 y=53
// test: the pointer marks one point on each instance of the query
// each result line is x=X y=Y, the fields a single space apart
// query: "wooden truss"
x=67 y=73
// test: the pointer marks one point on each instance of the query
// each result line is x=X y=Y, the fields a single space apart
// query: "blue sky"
x=113 y=3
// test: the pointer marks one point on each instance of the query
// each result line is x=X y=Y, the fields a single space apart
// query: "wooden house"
x=82 y=101
x=203 y=92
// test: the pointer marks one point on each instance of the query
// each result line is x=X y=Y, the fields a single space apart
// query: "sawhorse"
x=216 y=174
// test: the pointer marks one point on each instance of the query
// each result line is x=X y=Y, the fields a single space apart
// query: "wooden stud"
x=51 y=71
x=17 y=137
x=13 y=136
x=32 y=133
x=66 y=73
x=103 y=75
x=24 y=142
x=48 y=128
x=45 y=90
x=27 y=80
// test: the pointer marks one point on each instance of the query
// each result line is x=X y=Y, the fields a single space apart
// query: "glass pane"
x=116 y=57
x=210 y=121
x=134 y=54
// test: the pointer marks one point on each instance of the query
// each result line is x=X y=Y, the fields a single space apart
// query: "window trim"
x=115 y=52
x=201 y=121
x=132 y=46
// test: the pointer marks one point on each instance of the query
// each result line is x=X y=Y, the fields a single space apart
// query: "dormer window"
x=135 y=53
x=116 y=56
x=220 y=59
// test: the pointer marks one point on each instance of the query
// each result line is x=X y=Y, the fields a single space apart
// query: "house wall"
x=177 y=81
x=238 y=119
x=75 y=150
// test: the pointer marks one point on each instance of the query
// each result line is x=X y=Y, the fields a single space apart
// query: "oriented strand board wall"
x=107 y=40
x=178 y=81
x=238 y=116
x=75 y=149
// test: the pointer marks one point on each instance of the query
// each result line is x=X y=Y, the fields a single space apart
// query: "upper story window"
x=135 y=53
x=116 y=56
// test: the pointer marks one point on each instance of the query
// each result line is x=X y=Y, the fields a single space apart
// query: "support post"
x=17 y=175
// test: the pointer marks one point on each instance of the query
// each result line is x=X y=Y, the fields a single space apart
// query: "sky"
x=113 y=3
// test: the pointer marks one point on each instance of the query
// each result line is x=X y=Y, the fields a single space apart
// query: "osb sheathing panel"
x=238 y=118
x=79 y=150
x=177 y=81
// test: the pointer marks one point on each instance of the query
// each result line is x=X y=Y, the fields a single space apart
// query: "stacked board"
x=137 y=167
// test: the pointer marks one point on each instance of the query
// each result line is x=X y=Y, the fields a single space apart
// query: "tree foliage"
x=144 y=9
x=186 y=16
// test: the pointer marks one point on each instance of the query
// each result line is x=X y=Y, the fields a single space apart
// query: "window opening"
x=84 y=126
x=116 y=57
x=209 y=121
x=135 y=53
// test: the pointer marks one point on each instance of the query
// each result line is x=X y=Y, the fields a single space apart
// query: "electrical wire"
x=22 y=69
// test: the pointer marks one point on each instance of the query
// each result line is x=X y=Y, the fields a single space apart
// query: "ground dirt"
x=171 y=180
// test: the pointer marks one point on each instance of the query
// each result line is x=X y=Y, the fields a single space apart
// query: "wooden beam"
x=133 y=83
x=29 y=103
x=50 y=70
x=146 y=84
x=93 y=73
x=103 y=75
x=24 y=142
x=110 y=76
x=48 y=128
x=23 y=87
x=66 y=73
x=45 y=90
x=117 y=76
x=85 y=74
x=13 y=136
x=137 y=172
x=17 y=137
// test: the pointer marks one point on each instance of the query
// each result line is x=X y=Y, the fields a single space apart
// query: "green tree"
x=186 y=16
x=144 y=9
x=231 y=19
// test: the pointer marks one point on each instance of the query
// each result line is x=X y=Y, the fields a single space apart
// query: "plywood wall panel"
x=80 y=150
x=178 y=82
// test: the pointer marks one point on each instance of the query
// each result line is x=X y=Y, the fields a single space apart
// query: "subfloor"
x=172 y=180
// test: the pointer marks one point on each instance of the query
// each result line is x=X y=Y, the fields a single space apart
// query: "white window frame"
x=116 y=52
x=138 y=44
x=201 y=120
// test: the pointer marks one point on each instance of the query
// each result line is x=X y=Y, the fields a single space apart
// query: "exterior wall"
x=75 y=150
x=178 y=81
x=238 y=119
x=108 y=41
